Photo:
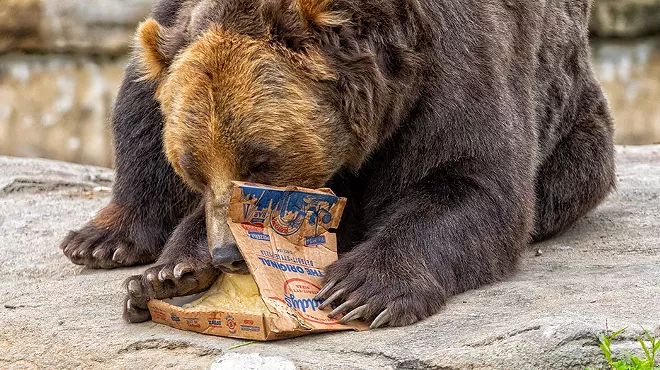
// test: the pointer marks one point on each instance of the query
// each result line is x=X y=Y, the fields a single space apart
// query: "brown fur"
x=319 y=14
x=109 y=216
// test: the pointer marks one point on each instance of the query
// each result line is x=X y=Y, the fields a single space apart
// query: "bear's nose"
x=228 y=258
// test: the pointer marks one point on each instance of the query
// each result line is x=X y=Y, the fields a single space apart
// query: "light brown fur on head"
x=318 y=12
x=243 y=108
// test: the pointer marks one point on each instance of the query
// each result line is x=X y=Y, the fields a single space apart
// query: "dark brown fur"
x=459 y=130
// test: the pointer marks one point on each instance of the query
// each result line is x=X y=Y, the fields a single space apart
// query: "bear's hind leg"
x=579 y=173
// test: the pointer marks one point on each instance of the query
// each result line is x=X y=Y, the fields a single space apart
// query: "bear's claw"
x=354 y=315
x=326 y=288
x=105 y=248
x=380 y=320
x=135 y=314
x=336 y=295
x=351 y=308
x=351 y=314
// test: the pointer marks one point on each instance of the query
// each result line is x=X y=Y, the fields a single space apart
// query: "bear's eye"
x=259 y=162
x=259 y=172
x=259 y=167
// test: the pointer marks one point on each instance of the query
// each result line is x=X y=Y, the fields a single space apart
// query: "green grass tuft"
x=631 y=362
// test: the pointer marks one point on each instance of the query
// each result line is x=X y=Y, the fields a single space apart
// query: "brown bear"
x=459 y=130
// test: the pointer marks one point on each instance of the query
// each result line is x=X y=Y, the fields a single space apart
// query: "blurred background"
x=61 y=64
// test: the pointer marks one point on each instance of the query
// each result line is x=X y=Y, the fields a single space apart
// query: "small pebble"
x=539 y=253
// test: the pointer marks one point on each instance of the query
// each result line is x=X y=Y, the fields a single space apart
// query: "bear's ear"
x=153 y=57
x=295 y=22
x=319 y=13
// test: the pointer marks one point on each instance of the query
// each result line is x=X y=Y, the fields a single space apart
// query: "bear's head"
x=256 y=96
x=247 y=106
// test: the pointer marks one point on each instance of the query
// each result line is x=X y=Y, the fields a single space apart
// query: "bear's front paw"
x=184 y=268
x=114 y=238
x=176 y=278
x=372 y=289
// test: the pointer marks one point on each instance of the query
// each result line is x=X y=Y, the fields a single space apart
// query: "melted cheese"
x=232 y=293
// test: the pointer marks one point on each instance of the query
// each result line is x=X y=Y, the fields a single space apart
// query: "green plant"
x=631 y=362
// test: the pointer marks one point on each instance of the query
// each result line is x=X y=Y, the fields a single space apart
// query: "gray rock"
x=625 y=18
x=604 y=272
x=251 y=361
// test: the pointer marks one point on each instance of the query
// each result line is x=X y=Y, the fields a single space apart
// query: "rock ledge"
x=606 y=270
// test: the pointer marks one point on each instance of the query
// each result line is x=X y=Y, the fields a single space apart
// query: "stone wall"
x=69 y=26
x=61 y=63
x=625 y=18
x=58 y=106
x=630 y=75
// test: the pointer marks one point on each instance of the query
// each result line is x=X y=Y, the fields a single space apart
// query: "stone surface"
x=70 y=26
x=605 y=270
x=251 y=361
x=625 y=18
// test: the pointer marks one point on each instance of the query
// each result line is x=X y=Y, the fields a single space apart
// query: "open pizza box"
x=286 y=238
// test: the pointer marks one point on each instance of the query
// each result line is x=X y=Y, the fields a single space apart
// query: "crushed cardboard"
x=285 y=236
